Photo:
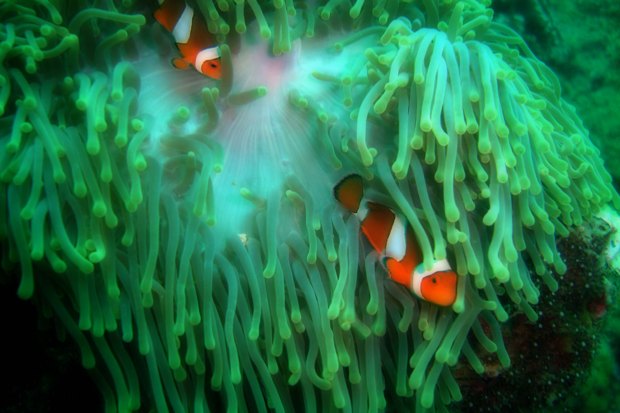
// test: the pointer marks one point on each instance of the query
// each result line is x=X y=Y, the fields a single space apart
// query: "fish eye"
x=434 y=280
x=213 y=65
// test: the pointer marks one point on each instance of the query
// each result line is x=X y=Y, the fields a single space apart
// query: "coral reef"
x=183 y=232
x=552 y=358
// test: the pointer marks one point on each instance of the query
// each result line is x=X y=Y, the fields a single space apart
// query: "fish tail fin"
x=349 y=192
x=168 y=13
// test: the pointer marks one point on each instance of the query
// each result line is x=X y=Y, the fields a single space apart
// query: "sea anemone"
x=183 y=230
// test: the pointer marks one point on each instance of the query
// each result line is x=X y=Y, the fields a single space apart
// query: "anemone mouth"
x=264 y=139
x=193 y=222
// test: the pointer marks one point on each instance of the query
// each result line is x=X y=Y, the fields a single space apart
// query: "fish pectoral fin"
x=180 y=63
x=398 y=272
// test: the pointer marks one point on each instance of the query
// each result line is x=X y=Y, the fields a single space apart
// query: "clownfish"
x=196 y=44
x=388 y=235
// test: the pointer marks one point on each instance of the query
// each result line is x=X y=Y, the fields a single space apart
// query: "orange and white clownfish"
x=196 y=44
x=388 y=234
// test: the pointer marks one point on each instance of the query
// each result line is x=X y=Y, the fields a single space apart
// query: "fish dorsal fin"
x=349 y=192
